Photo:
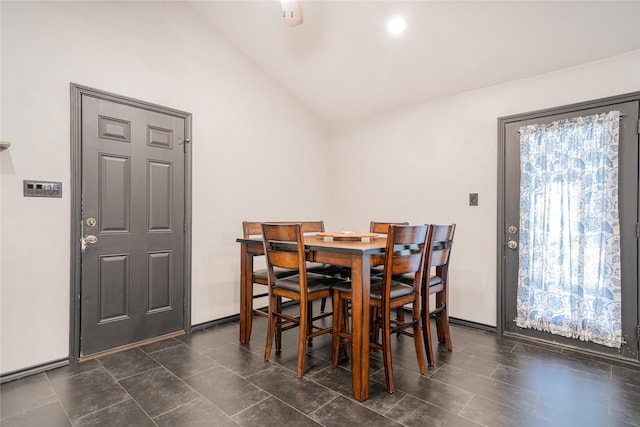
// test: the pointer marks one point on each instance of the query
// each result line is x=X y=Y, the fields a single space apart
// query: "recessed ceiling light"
x=396 y=25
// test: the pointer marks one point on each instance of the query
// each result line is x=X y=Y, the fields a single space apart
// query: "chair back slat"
x=251 y=229
x=439 y=257
x=281 y=232
x=312 y=226
x=254 y=228
x=282 y=259
x=383 y=227
x=443 y=233
x=407 y=264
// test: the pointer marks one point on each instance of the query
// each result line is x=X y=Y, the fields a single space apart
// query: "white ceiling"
x=344 y=65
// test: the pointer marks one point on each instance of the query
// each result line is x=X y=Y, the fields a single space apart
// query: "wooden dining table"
x=360 y=256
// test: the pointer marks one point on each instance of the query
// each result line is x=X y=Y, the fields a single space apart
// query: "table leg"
x=246 y=293
x=360 y=279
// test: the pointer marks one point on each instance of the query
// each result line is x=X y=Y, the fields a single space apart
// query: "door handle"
x=512 y=244
x=87 y=241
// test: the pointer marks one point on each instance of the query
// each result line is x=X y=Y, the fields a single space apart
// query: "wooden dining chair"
x=253 y=229
x=383 y=228
x=436 y=282
x=284 y=248
x=405 y=254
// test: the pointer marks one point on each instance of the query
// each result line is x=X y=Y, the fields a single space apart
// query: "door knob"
x=90 y=239
x=512 y=244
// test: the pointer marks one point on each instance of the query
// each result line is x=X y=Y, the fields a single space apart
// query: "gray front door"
x=133 y=224
x=628 y=215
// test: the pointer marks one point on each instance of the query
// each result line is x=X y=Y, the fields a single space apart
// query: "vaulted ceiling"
x=344 y=65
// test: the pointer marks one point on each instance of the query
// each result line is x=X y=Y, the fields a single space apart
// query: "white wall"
x=419 y=164
x=161 y=53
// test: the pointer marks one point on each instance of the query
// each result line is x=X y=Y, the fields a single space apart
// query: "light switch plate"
x=473 y=199
x=42 y=188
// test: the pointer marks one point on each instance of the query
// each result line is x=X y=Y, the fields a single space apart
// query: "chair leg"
x=374 y=329
x=310 y=322
x=278 y=327
x=302 y=337
x=323 y=305
x=271 y=327
x=337 y=327
x=417 y=336
x=345 y=327
x=386 y=349
x=442 y=321
x=426 y=326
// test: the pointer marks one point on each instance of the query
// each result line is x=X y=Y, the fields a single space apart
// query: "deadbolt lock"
x=90 y=222
x=512 y=229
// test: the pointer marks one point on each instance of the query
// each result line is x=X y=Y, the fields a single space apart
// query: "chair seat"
x=321 y=268
x=378 y=270
x=315 y=282
x=398 y=289
x=408 y=279
x=280 y=273
x=343 y=286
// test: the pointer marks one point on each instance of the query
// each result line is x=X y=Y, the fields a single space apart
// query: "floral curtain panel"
x=569 y=275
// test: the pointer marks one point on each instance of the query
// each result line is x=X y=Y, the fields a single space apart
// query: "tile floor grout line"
x=129 y=376
x=57 y=400
x=249 y=407
x=119 y=385
x=170 y=410
x=203 y=397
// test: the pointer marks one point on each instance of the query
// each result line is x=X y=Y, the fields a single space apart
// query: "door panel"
x=114 y=175
x=132 y=277
x=160 y=196
x=113 y=287
x=628 y=210
x=159 y=281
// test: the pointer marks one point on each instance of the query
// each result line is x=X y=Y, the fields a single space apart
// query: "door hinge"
x=638 y=128
x=638 y=230
x=638 y=332
x=184 y=226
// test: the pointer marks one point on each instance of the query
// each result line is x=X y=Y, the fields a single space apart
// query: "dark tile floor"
x=209 y=379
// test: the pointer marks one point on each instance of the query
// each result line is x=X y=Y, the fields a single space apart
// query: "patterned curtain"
x=569 y=276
